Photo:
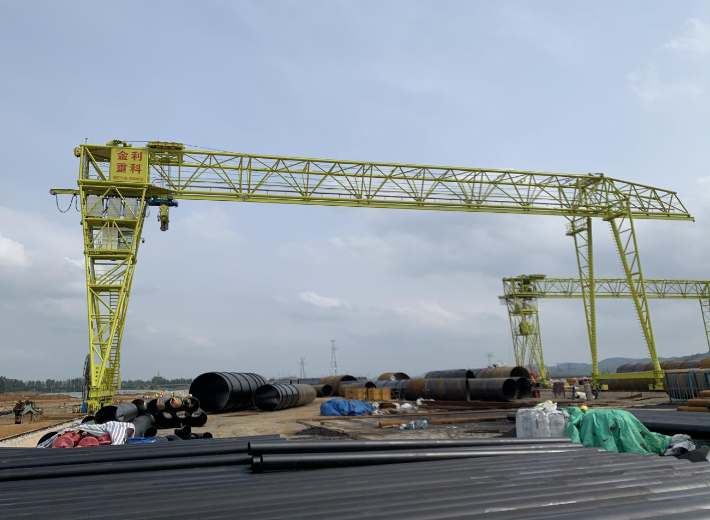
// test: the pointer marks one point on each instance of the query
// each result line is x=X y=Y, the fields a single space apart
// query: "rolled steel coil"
x=455 y=373
x=494 y=389
x=501 y=372
x=323 y=390
x=391 y=376
x=442 y=389
x=220 y=392
x=122 y=412
x=278 y=396
x=334 y=381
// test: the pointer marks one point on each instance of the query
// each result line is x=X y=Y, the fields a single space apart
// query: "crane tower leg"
x=581 y=230
x=112 y=221
x=622 y=227
x=705 y=309
x=525 y=330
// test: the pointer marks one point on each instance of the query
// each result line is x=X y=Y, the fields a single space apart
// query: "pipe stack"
x=221 y=392
x=272 y=397
x=335 y=381
x=176 y=412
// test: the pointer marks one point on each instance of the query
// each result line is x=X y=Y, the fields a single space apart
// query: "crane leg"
x=622 y=227
x=525 y=330
x=112 y=220
x=705 y=309
x=581 y=230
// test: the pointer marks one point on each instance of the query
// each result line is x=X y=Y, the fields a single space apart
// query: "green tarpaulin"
x=613 y=430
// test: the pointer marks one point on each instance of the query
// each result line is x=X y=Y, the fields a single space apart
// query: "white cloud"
x=696 y=37
x=78 y=262
x=12 y=253
x=324 y=302
x=647 y=85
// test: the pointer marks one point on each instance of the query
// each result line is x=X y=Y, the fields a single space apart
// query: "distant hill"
x=609 y=365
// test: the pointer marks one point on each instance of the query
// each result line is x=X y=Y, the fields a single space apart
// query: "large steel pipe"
x=354 y=385
x=220 y=392
x=122 y=412
x=277 y=396
x=500 y=372
x=263 y=447
x=144 y=426
x=323 y=390
x=523 y=387
x=335 y=381
x=338 y=460
x=392 y=376
x=442 y=389
x=197 y=418
x=455 y=373
x=499 y=389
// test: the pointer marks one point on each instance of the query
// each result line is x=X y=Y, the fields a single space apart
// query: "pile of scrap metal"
x=137 y=421
x=481 y=478
x=25 y=410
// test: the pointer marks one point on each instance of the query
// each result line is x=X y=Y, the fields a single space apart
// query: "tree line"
x=75 y=384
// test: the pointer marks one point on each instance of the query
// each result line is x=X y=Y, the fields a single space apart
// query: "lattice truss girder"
x=195 y=174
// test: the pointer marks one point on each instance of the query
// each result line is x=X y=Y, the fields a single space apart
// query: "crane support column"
x=705 y=310
x=581 y=230
x=522 y=302
x=112 y=214
x=622 y=227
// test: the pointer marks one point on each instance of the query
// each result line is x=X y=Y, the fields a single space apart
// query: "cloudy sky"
x=616 y=87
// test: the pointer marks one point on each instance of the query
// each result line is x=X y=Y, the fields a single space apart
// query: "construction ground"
x=469 y=419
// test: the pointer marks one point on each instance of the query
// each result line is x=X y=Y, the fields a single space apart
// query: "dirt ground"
x=305 y=422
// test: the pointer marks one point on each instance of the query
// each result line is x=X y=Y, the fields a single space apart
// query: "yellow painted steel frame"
x=541 y=286
x=112 y=236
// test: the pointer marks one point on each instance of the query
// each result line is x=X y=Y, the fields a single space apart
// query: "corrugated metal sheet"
x=579 y=483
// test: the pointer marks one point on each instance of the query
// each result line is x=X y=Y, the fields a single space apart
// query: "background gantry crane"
x=118 y=181
x=521 y=295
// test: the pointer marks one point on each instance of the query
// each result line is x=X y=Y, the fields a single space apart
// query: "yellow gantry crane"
x=118 y=181
x=521 y=295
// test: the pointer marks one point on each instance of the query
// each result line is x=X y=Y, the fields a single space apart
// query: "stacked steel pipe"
x=392 y=376
x=277 y=396
x=221 y=392
x=335 y=381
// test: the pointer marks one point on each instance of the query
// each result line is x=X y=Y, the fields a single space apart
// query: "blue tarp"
x=345 y=407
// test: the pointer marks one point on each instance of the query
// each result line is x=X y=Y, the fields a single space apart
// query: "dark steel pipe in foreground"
x=165 y=420
x=141 y=424
x=190 y=404
x=268 y=462
x=183 y=432
x=499 y=389
x=220 y=392
x=392 y=376
x=500 y=372
x=142 y=406
x=454 y=373
x=123 y=412
x=278 y=396
x=323 y=390
x=197 y=419
x=264 y=447
x=334 y=382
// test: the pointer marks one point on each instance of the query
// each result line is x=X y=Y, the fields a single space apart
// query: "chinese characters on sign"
x=129 y=165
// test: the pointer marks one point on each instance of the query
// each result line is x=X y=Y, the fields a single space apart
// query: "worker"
x=163 y=217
